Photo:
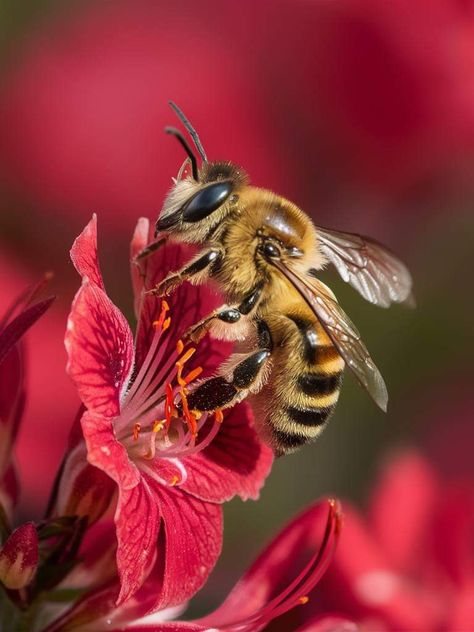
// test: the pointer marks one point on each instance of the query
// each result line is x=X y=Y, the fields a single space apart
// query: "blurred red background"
x=361 y=112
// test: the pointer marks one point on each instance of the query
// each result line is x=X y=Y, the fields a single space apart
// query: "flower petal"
x=408 y=484
x=137 y=517
x=12 y=400
x=330 y=624
x=235 y=463
x=138 y=244
x=284 y=573
x=84 y=254
x=16 y=328
x=19 y=557
x=363 y=584
x=84 y=490
x=192 y=532
x=106 y=453
x=137 y=520
x=99 y=344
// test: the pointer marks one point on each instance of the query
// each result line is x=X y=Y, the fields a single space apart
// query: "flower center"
x=149 y=424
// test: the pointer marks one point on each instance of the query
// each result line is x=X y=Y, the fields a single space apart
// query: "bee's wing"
x=342 y=332
x=370 y=268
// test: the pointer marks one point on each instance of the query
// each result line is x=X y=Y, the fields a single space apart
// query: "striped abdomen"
x=304 y=385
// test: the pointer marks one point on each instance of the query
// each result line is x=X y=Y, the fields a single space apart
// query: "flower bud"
x=19 y=557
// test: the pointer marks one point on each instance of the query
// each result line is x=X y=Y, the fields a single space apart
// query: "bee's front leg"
x=196 y=271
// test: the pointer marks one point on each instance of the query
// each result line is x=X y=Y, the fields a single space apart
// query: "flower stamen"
x=136 y=431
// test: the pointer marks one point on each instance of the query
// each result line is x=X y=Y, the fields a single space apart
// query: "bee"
x=265 y=254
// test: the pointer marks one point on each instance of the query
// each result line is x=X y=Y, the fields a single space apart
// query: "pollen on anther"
x=174 y=480
x=189 y=353
x=219 y=416
x=166 y=323
x=136 y=431
x=179 y=347
x=158 y=425
x=303 y=599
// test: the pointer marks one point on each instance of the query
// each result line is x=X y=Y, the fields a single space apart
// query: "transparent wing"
x=370 y=268
x=342 y=332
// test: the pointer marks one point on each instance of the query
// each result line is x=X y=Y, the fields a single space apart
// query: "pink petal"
x=9 y=490
x=137 y=517
x=462 y=614
x=402 y=505
x=137 y=520
x=84 y=490
x=96 y=558
x=19 y=557
x=106 y=453
x=12 y=400
x=235 y=463
x=363 y=584
x=84 y=254
x=99 y=344
x=16 y=328
x=139 y=242
x=192 y=540
x=284 y=573
x=330 y=624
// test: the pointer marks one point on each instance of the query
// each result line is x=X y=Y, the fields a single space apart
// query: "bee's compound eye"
x=270 y=250
x=206 y=201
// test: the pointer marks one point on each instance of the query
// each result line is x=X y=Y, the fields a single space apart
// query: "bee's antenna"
x=187 y=149
x=190 y=128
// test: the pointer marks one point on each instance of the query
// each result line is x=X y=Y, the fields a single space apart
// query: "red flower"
x=278 y=581
x=410 y=564
x=171 y=474
x=21 y=315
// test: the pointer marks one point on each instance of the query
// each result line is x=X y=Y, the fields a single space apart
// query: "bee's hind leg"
x=241 y=374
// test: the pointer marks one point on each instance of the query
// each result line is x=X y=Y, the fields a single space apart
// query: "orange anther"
x=174 y=480
x=136 y=431
x=189 y=353
x=192 y=375
x=166 y=323
x=179 y=347
x=303 y=600
x=164 y=305
x=219 y=415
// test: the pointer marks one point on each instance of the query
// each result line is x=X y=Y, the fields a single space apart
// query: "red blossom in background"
x=408 y=565
x=171 y=474
x=377 y=95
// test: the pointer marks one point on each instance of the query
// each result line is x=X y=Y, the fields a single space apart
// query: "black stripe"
x=289 y=440
x=309 y=338
x=308 y=416
x=318 y=384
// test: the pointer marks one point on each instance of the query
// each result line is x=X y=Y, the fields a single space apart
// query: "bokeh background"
x=360 y=111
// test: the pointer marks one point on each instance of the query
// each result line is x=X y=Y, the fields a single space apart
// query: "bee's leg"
x=196 y=271
x=227 y=322
x=242 y=374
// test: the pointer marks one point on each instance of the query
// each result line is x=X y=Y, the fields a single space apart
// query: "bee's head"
x=209 y=190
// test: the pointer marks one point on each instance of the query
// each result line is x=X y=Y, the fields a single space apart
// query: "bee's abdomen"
x=305 y=387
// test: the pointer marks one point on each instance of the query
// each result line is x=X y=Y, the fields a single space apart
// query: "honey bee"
x=265 y=254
